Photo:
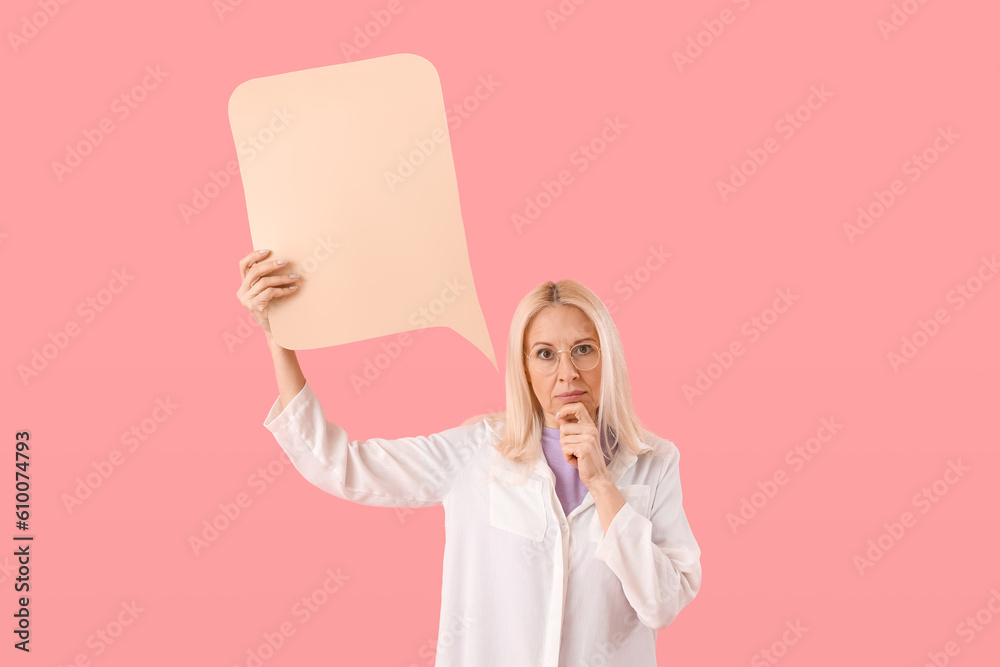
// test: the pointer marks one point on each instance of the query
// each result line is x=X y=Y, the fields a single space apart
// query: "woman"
x=566 y=541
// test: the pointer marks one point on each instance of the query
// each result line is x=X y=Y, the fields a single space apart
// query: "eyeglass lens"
x=584 y=357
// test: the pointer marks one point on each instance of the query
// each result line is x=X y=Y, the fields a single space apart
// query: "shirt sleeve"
x=657 y=559
x=415 y=471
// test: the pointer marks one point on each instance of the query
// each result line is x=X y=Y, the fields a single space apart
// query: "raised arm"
x=416 y=471
x=412 y=472
x=287 y=372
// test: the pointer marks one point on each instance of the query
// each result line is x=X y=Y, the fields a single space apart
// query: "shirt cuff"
x=278 y=419
x=609 y=548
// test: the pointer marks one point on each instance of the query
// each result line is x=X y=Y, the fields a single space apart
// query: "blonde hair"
x=520 y=428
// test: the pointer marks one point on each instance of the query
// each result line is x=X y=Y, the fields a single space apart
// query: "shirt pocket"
x=517 y=506
x=636 y=496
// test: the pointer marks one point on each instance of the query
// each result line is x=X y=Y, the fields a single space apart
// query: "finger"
x=578 y=443
x=261 y=301
x=575 y=410
x=569 y=412
x=271 y=282
x=569 y=455
x=247 y=261
x=566 y=428
x=571 y=449
x=578 y=427
x=260 y=268
x=267 y=288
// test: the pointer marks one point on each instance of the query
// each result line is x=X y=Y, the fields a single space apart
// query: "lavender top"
x=570 y=490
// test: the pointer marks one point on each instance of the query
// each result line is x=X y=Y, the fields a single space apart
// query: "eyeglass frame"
x=570 y=351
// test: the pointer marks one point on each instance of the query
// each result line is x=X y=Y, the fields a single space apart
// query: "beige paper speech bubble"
x=348 y=175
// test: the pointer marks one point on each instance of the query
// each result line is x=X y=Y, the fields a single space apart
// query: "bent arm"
x=657 y=559
x=415 y=471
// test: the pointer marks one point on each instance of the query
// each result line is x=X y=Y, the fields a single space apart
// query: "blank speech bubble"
x=348 y=174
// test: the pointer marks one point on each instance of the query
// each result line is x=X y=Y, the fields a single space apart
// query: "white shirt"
x=524 y=585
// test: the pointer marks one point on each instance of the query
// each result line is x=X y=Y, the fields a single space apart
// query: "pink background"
x=164 y=334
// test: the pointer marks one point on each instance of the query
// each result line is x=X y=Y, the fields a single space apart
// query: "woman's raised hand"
x=258 y=288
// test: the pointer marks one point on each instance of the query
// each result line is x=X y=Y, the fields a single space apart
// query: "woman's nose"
x=566 y=369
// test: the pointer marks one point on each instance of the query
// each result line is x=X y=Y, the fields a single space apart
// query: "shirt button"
x=565 y=528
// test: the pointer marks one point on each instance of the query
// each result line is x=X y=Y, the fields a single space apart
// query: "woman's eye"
x=542 y=352
x=583 y=349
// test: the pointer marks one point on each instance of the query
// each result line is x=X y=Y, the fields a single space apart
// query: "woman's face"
x=560 y=328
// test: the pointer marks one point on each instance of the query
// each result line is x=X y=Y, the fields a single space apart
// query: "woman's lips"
x=571 y=395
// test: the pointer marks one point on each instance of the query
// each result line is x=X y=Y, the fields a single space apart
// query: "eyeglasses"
x=545 y=361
